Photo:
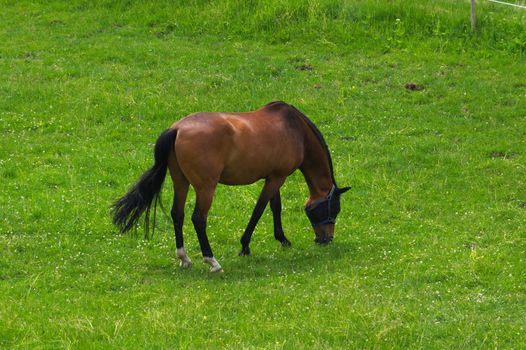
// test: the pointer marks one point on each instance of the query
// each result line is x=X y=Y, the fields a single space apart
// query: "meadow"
x=424 y=118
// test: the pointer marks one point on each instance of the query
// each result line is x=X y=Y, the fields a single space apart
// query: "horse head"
x=322 y=214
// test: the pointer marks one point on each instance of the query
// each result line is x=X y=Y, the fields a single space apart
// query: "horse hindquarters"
x=198 y=161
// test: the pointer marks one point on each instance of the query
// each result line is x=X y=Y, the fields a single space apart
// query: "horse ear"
x=344 y=189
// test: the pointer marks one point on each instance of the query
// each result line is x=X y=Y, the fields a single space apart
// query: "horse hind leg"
x=180 y=192
x=203 y=202
x=177 y=214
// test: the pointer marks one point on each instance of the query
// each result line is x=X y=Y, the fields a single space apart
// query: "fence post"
x=473 y=16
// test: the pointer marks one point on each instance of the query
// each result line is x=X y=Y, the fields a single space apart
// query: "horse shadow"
x=266 y=264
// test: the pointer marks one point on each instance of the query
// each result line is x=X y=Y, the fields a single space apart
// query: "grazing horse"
x=205 y=149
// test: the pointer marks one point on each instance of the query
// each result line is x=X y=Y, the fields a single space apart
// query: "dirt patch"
x=168 y=29
x=414 y=87
x=502 y=154
x=29 y=55
x=304 y=66
x=56 y=22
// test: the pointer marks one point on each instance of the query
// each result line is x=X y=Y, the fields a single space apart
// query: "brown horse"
x=205 y=149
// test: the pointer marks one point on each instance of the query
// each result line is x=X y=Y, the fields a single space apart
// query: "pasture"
x=424 y=118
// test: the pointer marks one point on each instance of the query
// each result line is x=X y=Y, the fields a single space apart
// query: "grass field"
x=430 y=246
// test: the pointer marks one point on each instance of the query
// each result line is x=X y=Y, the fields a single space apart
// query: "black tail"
x=128 y=209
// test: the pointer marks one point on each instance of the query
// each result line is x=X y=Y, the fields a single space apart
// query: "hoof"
x=245 y=251
x=217 y=269
x=185 y=264
x=214 y=265
x=286 y=243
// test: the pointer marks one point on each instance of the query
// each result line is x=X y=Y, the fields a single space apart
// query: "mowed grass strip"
x=424 y=119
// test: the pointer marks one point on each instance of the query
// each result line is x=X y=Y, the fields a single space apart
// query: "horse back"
x=239 y=148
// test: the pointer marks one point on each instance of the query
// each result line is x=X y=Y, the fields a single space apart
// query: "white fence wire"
x=509 y=4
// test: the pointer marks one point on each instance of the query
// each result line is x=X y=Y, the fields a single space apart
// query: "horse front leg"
x=275 y=205
x=269 y=190
x=203 y=202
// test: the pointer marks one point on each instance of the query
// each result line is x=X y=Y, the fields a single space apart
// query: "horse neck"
x=316 y=167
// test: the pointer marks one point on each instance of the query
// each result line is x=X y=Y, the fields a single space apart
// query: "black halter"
x=324 y=211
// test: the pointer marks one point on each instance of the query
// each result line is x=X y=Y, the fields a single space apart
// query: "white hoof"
x=214 y=265
x=185 y=264
x=185 y=260
x=217 y=269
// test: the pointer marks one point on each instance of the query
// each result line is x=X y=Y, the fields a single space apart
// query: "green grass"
x=430 y=246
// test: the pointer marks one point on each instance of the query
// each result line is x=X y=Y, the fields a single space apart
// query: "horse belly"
x=246 y=167
x=243 y=173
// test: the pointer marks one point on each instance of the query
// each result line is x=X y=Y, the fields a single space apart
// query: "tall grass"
x=357 y=24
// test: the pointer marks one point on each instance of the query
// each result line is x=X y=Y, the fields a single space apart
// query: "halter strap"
x=321 y=200
x=330 y=218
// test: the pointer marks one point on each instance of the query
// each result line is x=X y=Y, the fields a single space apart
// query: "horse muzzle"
x=323 y=239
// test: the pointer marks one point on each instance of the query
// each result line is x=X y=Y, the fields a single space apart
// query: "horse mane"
x=320 y=138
